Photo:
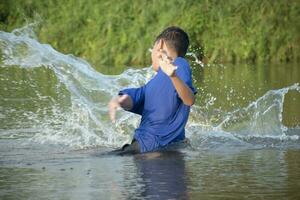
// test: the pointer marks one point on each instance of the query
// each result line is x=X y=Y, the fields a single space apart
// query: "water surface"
x=54 y=131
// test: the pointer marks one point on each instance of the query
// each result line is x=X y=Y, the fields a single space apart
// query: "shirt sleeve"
x=138 y=98
x=184 y=73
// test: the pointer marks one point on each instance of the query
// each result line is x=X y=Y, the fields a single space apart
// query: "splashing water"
x=86 y=124
x=259 y=123
x=83 y=121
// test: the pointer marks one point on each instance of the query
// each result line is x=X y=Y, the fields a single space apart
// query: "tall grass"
x=119 y=32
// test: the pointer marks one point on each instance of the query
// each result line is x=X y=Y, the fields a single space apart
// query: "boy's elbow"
x=190 y=102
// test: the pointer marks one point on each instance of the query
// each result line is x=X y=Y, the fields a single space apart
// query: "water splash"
x=85 y=123
x=260 y=123
x=260 y=118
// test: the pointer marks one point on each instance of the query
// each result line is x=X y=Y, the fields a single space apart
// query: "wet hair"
x=176 y=39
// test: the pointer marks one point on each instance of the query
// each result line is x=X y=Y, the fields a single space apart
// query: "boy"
x=164 y=102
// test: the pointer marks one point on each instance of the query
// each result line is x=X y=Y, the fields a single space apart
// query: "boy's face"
x=156 y=53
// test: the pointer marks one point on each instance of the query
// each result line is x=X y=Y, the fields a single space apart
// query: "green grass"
x=119 y=32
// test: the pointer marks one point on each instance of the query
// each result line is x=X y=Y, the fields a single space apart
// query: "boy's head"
x=173 y=40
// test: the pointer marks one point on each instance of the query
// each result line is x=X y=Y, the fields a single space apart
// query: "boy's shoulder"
x=180 y=61
x=183 y=66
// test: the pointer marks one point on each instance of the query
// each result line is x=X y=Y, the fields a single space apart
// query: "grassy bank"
x=120 y=32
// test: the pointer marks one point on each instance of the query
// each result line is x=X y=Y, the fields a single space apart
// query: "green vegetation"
x=121 y=31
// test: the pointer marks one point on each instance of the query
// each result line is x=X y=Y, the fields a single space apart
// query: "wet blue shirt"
x=164 y=115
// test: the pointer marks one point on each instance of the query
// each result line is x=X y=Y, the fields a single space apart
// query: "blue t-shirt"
x=164 y=115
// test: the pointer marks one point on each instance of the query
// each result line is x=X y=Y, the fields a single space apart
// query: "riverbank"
x=120 y=33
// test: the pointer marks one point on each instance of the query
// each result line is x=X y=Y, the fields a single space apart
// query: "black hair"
x=175 y=38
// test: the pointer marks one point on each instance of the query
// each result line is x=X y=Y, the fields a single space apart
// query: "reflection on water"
x=247 y=174
x=162 y=175
x=252 y=174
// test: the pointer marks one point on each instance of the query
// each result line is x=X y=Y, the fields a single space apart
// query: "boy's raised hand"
x=115 y=103
x=166 y=63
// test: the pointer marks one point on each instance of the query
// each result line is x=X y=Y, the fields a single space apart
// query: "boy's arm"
x=131 y=99
x=123 y=101
x=185 y=93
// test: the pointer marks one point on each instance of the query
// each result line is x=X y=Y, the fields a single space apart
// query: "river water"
x=54 y=131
